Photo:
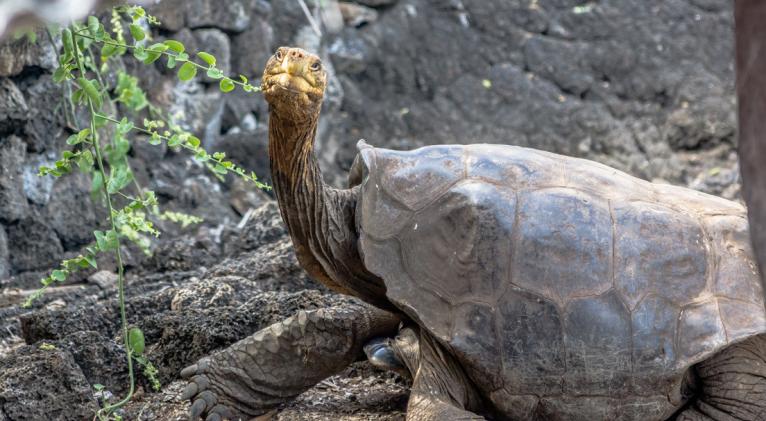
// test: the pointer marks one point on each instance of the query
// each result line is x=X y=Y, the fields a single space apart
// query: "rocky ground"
x=647 y=87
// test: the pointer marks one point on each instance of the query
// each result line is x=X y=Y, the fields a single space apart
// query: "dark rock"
x=376 y=3
x=71 y=212
x=274 y=266
x=355 y=15
x=245 y=197
x=240 y=112
x=184 y=253
x=170 y=14
x=38 y=189
x=248 y=150
x=5 y=265
x=22 y=52
x=13 y=203
x=100 y=358
x=45 y=126
x=43 y=384
x=33 y=244
x=253 y=48
x=232 y=16
x=13 y=107
x=264 y=227
x=350 y=54
x=199 y=109
x=215 y=42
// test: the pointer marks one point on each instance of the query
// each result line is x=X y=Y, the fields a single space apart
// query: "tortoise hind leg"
x=440 y=388
x=281 y=361
x=732 y=384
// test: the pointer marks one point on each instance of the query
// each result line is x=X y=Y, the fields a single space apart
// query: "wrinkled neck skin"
x=319 y=218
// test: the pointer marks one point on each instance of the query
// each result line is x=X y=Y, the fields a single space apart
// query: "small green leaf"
x=91 y=260
x=60 y=74
x=77 y=96
x=243 y=78
x=174 y=141
x=119 y=178
x=47 y=347
x=136 y=341
x=193 y=141
x=89 y=87
x=140 y=53
x=137 y=31
x=214 y=73
x=155 y=139
x=72 y=140
x=101 y=240
x=154 y=52
x=124 y=126
x=97 y=182
x=171 y=62
x=59 y=275
x=108 y=50
x=93 y=25
x=226 y=85
x=208 y=58
x=187 y=71
x=174 y=45
x=67 y=40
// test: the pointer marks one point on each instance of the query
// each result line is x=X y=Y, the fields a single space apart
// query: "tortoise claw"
x=199 y=406
x=190 y=391
x=189 y=371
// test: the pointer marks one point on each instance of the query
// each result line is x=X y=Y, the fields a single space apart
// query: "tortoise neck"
x=319 y=218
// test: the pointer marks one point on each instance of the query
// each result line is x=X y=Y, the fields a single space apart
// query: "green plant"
x=100 y=149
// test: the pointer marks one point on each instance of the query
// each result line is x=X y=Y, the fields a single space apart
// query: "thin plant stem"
x=120 y=266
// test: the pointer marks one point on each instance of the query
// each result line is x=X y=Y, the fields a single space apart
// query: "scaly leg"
x=282 y=361
x=733 y=385
x=440 y=388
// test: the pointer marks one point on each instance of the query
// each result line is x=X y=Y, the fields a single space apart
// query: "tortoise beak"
x=293 y=67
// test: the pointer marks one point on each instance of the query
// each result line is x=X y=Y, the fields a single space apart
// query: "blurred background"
x=644 y=86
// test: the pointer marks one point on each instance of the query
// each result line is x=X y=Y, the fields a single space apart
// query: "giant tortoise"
x=511 y=283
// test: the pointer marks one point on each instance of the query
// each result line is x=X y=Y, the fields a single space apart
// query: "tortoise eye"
x=278 y=55
x=315 y=66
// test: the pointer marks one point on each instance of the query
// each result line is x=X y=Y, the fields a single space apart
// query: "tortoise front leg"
x=440 y=388
x=282 y=361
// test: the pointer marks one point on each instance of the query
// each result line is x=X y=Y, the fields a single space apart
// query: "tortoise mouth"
x=289 y=82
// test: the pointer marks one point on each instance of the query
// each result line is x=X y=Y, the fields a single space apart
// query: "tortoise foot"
x=216 y=396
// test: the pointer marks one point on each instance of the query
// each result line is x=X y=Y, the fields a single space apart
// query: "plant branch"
x=120 y=266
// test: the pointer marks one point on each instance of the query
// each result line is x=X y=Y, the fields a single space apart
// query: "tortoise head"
x=293 y=83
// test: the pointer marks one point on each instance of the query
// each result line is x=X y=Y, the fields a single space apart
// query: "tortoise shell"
x=562 y=286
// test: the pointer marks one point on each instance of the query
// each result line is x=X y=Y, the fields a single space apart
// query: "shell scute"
x=654 y=323
x=519 y=168
x=416 y=178
x=658 y=250
x=468 y=247
x=700 y=330
x=531 y=332
x=565 y=244
x=597 y=345
x=475 y=342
